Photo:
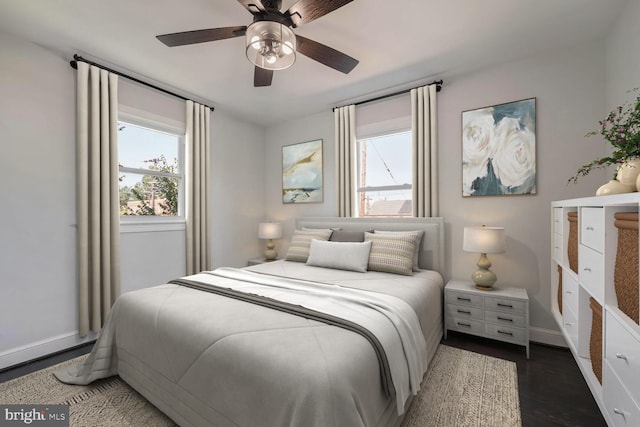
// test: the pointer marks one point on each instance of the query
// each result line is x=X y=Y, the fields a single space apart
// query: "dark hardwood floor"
x=552 y=390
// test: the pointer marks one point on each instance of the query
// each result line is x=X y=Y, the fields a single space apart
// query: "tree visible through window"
x=151 y=177
x=384 y=176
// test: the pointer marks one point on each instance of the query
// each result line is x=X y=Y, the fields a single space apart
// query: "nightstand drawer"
x=506 y=319
x=464 y=312
x=506 y=305
x=461 y=298
x=505 y=333
x=465 y=325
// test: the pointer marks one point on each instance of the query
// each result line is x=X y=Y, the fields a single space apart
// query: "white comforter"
x=207 y=360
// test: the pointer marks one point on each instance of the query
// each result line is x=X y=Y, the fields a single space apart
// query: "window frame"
x=142 y=223
x=394 y=130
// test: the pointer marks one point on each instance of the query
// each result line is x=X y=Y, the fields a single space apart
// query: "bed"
x=281 y=343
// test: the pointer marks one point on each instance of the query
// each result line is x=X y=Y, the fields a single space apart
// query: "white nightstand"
x=258 y=261
x=501 y=313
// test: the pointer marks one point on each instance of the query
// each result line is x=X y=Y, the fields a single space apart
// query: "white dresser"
x=619 y=394
x=500 y=314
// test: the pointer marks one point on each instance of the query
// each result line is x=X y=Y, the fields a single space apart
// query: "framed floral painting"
x=302 y=172
x=499 y=149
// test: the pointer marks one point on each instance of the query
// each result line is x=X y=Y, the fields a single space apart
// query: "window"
x=384 y=176
x=150 y=157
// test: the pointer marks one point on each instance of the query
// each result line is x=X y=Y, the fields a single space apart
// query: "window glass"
x=384 y=176
x=150 y=165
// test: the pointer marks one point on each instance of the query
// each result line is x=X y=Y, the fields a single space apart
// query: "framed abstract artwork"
x=499 y=149
x=302 y=172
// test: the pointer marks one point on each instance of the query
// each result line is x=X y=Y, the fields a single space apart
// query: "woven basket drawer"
x=626 y=266
x=595 y=341
x=572 y=244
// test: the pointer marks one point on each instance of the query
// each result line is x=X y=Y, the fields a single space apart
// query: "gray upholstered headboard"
x=432 y=248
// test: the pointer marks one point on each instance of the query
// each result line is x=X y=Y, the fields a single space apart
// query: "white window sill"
x=144 y=225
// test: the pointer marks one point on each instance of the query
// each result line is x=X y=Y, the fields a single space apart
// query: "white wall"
x=623 y=56
x=569 y=89
x=38 y=302
x=317 y=126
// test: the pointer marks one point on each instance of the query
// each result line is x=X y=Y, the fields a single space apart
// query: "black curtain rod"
x=74 y=65
x=438 y=84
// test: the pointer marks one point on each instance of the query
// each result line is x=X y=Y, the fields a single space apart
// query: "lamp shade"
x=270 y=230
x=484 y=240
x=271 y=45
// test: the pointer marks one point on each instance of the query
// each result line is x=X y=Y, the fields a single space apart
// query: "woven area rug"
x=461 y=388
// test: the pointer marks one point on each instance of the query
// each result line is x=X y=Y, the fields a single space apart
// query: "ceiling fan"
x=270 y=42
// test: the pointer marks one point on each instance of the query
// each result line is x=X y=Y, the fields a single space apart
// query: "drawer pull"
x=587 y=269
x=621 y=356
x=505 y=333
x=589 y=228
x=568 y=324
x=464 y=311
x=464 y=299
x=568 y=292
x=466 y=325
x=504 y=305
x=505 y=319
x=619 y=412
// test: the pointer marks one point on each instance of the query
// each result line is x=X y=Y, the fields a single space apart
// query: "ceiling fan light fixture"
x=270 y=45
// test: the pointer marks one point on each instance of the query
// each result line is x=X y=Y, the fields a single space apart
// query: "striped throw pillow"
x=301 y=241
x=417 y=238
x=391 y=253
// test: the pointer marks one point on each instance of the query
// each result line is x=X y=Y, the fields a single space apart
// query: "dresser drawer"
x=618 y=403
x=569 y=292
x=461 y=298
x=591 y=272
x=506 y=333
x=622 y=352
x=464 y=312
x=557 y=246
x=465 y=325
x=505 y=305
x=570 y=325
x=505 y=319
x=557 y=218
x=592 y=228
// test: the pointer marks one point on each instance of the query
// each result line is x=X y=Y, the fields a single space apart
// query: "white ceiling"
x=400 y=44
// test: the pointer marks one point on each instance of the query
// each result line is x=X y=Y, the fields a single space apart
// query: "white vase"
x=614 y=187
x=628 y=172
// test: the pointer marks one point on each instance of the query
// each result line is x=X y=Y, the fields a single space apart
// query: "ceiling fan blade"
x=325 y=55
x=201 y=36
x=305 y=11
x=253 y=6
x=262 y=77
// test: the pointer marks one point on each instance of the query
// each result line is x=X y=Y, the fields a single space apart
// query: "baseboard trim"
x=29 y=352
x=547 y=337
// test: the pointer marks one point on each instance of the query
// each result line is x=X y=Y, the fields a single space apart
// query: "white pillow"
x=353 y=256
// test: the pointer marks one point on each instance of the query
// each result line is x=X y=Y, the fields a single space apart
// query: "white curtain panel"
x=98 y=213
x=197 y=187
x=424 y=124
x=345 y=137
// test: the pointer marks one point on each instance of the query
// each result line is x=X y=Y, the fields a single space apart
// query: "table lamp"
x=270 y=231
x=485 y=240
